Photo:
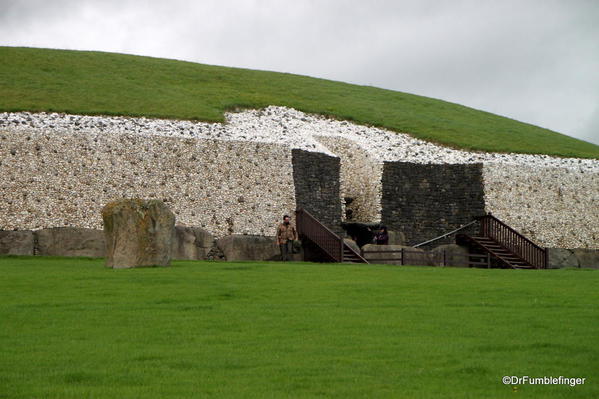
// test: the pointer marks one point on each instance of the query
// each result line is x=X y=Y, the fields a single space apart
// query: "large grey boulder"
x=16 y=242
x=249 y=247
x=191 y=243
x=587 y=257
x=452 y=255
x=138 y=233
x=70 y=241
x=558 y=258
x=397 y=238
x=411 y=256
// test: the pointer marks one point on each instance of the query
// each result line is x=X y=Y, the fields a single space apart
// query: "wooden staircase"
x=487 y=245
x=331 y=246
x=507 y=247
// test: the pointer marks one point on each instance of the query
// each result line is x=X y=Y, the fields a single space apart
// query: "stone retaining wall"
x=425 y=201
x=52 y=180
x=554 y=207
x=240 y=177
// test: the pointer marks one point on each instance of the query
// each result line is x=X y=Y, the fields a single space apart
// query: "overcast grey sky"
x=536 y=61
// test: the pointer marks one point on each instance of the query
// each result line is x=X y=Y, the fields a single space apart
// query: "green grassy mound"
x=116 y=84
x=74 y=329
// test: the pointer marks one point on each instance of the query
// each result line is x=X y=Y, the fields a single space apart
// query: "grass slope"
x=74 y=329
x=116 y=84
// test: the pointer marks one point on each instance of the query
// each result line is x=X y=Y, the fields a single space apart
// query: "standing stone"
x=138 y=233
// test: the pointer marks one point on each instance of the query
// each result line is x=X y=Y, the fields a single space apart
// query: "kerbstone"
x=70 y=241
x=248 y=247
x=16 y=242
x=561 y=257
x=192 y=243
x=587 y=257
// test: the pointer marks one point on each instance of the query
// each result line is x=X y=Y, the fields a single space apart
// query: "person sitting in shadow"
x=382 y=236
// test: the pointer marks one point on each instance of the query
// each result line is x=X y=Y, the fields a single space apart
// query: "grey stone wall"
x=317 y=188
x=425 y=201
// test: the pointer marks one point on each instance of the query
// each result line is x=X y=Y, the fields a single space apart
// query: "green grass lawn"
x=71 y=328
x=117 y=84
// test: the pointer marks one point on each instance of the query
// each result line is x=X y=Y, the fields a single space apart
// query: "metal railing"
x=515 y=242
x=330 y=243
x=445 y=235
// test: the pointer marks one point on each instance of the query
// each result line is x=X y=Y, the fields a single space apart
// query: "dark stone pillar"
x=317 y=186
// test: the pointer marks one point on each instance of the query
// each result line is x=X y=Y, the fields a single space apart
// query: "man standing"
x=286 y=233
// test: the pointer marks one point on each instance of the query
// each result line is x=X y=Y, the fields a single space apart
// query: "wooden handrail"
x=521 y=246
x=309 y=227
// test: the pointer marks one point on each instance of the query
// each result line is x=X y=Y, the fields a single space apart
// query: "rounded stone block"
x=397 y=237
x=191 y=243
x=138 y=233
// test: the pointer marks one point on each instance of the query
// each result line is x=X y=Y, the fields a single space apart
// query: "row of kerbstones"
x=137 y=233
x=189 y=243
x=142 y=232
x=197 y=244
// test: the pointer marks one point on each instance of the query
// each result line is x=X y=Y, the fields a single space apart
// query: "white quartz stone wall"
x=361 y=176
x=64 y=179
x=554 y=207
x=58 y=169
